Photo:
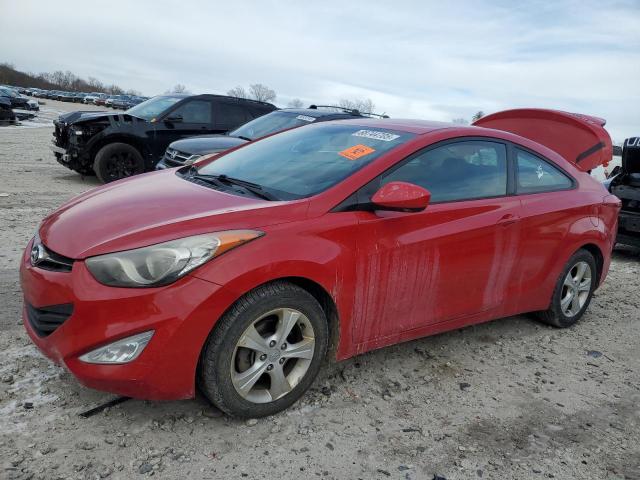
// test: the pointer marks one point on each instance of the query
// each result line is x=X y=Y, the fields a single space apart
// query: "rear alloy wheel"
x=117 y=160
x=265 y=352
x=573 y=291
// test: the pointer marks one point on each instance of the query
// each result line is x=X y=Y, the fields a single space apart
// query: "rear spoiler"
x=580 y=139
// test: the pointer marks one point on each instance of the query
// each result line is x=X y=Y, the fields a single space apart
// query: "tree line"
x=58 y=80
x=67 y=80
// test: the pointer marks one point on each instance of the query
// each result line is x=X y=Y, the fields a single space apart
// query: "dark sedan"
x=188 y=150
x=15 y=99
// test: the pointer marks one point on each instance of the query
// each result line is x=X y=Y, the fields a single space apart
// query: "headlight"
x=164 y=263
x=121 y=351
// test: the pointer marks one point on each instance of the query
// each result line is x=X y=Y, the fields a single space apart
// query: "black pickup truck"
x=119 y=145
x=624 y=183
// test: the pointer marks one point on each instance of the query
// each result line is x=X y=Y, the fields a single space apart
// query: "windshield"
x=271 y=123
x=305 y=161
x=153 y=108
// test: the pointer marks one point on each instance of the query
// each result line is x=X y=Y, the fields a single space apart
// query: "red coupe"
x=238 y=274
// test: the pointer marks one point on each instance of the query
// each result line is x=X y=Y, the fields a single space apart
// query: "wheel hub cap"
x=274 y=356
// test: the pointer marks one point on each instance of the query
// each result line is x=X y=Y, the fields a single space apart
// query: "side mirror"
x=401 y=197
x=173 y=119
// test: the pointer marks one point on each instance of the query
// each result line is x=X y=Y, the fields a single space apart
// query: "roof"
x=405 y=125
x=317 y=113
x=213 y=95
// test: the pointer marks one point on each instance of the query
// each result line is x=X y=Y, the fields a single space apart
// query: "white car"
x=33 y=104
x=93 y=96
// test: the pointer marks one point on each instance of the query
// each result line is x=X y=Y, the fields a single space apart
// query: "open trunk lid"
x=580 y=139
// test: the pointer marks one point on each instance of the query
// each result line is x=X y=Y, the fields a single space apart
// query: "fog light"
x=121 y=351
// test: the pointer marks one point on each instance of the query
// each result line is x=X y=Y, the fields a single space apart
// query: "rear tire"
x=116 y=161
x=573 y=291
x=265 y=352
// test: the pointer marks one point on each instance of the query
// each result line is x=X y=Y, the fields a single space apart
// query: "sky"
x=435 y=60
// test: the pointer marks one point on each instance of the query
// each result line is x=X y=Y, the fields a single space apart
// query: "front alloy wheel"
x=117 y=160
x=265 y=352
x=272 y=355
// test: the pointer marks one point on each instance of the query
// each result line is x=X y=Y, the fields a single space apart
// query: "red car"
x=237 y=275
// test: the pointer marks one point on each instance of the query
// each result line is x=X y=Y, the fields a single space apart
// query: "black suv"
x=187 y=151
x=624 y=183
x=118 y=145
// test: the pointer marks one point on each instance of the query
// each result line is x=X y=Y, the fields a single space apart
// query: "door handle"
x=508 y=219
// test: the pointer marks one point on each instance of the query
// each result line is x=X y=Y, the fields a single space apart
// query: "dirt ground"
x=510 y=399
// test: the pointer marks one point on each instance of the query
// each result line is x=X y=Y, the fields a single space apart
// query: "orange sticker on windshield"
x=357 y=151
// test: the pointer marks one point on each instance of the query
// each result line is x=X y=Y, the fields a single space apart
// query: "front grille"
x=46 y=320
x=55 y=262
x=176 y=158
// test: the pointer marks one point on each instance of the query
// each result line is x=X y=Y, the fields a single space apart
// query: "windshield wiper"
x=250 y=186
x=242 y=137
x=222 y=180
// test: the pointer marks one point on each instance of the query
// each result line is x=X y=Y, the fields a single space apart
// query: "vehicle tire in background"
x=265 y=352
x=573 y=291
x=117 y=160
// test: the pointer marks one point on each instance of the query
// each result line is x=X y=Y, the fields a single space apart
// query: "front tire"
x=116 y=161
x=573 y=292
x=265 y=352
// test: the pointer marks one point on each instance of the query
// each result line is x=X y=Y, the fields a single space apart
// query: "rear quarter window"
x=537 y=175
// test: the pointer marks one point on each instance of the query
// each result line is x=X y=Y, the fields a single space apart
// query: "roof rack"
x=352 y=111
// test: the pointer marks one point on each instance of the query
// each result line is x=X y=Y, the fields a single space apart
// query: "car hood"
x=204 y=144
x=153 y=208
x=92 y=116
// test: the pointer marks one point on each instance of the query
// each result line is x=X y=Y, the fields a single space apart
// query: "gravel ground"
x=510 y=399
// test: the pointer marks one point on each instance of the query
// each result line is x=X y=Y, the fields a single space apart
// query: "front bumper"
x=182 y=316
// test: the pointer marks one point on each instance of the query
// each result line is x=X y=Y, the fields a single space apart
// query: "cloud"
x=420 y=59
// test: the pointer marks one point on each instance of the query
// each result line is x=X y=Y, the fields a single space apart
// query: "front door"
x=193 y=117
x=452 y=260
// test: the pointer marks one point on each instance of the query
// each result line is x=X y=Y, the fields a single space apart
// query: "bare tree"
x=238 y=92
x=362 y=105
x=477 y=116
x=178 y=88
x=95 y=84
x=460 y=121
x=262 y=93
x=295 y=103
x=114 y=90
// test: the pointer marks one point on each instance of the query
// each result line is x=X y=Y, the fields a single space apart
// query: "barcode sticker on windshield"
x=376 y=135
x=306 y=118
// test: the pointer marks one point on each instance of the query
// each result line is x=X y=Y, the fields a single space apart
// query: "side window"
x=457 y=171
x=258 y=112
x=232 y=115
x=537 y=175
x=194 y=111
